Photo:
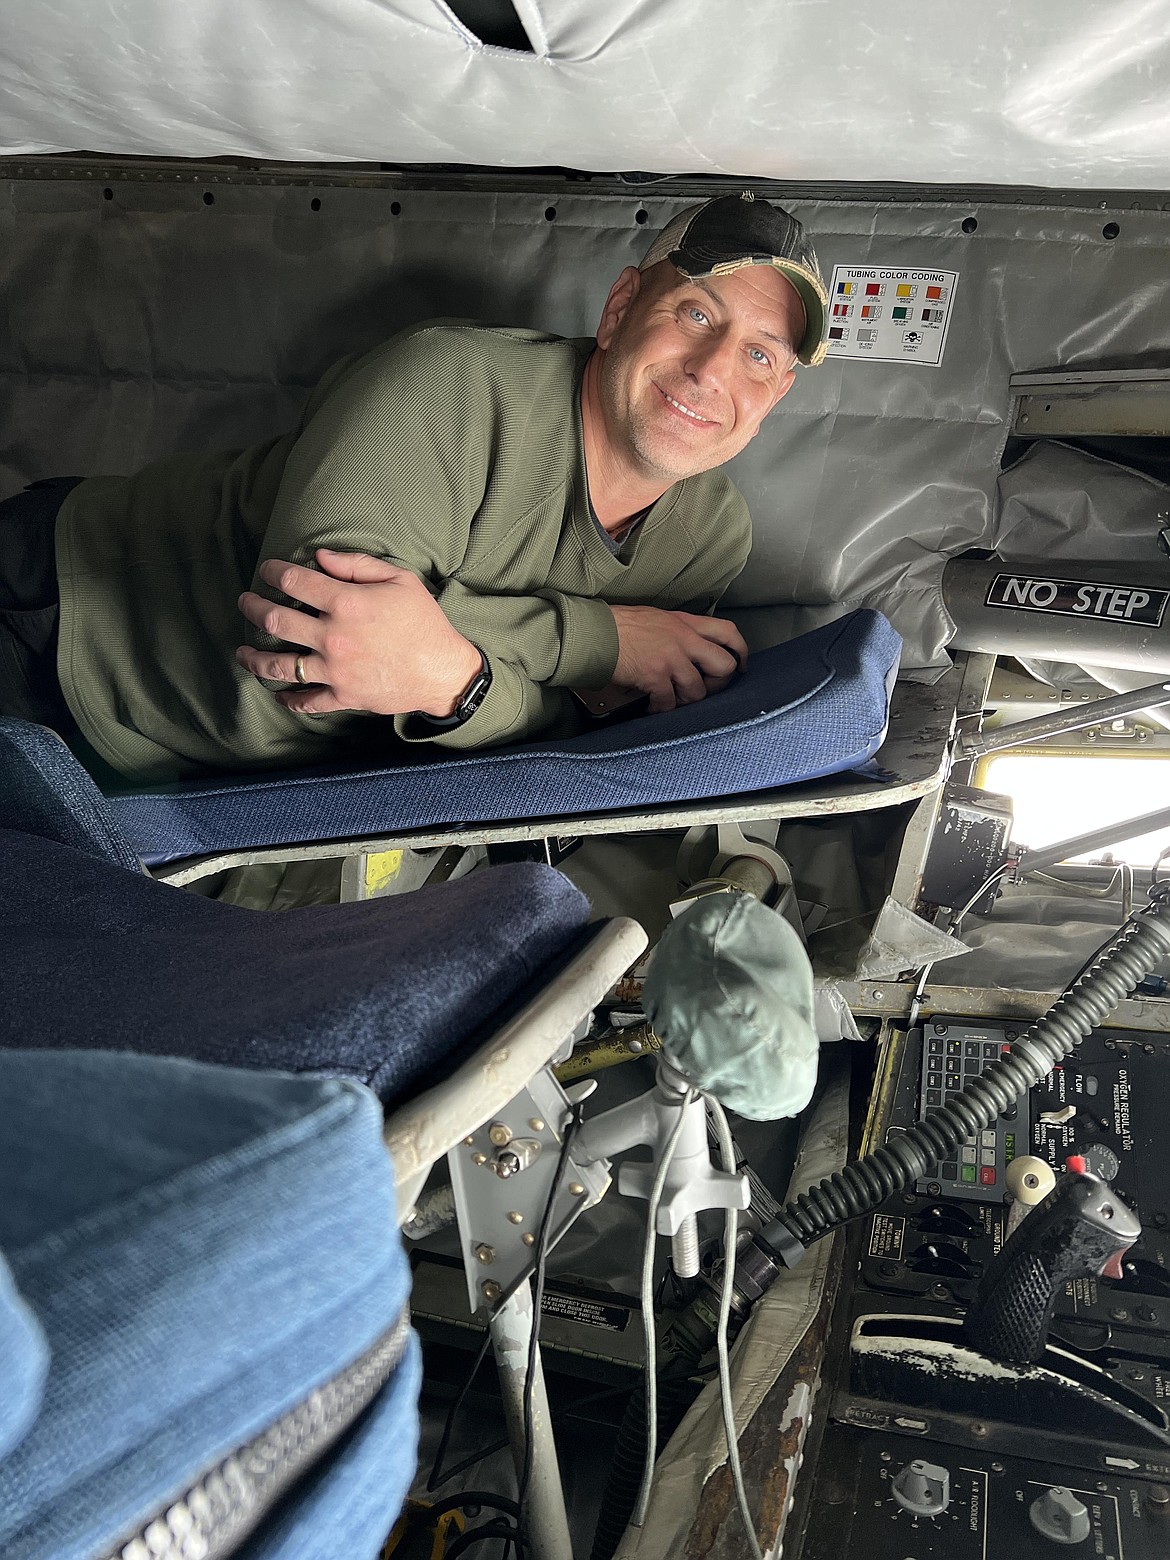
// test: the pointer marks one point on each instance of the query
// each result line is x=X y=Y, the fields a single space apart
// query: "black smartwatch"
x=470 y=700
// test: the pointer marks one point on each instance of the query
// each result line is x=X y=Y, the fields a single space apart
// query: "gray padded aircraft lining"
x=149 y=313
x=929 y=91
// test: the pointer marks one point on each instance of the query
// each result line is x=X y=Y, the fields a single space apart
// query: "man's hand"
x=377 y=640
x=675 y=657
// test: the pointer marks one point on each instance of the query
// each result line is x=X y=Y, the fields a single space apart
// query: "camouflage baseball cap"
x=732 y=231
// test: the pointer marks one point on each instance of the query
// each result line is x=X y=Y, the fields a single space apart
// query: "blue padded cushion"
x=203 y=1247
x=814 y=706
x=44 y=790
x=391 y=991
x=24 y=1360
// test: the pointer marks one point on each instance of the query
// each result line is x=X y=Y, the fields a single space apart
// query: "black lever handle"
x=1082 y=1229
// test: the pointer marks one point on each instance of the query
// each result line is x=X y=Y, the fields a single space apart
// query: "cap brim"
x=816 y=309
x=809 y=287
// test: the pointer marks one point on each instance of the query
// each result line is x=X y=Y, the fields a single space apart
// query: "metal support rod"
x=544 y=1519
x=1127 y=829
x=977 y=745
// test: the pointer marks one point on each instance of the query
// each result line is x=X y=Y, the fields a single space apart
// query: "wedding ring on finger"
x=299 y=668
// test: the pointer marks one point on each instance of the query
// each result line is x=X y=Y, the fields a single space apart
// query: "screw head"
x=479 y=1159
x=490 y=1290
x=500 y=1134
x=515 y=1218
x=485 y=1254
x=979 y=1429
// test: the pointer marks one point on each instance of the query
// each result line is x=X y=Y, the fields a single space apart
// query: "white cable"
x=1082 y=890
x=639 y=1517
x=730 y=1230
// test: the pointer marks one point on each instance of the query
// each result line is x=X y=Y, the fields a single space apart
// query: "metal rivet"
x=469 y=1142
x=485 y=1254
x=979 y=1429
x=479 y=1159
x=634 y=1046
x=576 y=1189
x=536 y=1124
x=500 y=1134
x=528 y=1238
x=515 y=1218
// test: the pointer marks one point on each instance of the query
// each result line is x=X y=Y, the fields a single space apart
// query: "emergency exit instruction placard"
x=889 y=313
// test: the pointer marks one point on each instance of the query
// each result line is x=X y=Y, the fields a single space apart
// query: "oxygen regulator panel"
x=925 y=1446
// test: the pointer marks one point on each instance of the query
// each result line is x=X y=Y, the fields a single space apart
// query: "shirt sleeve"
x=385 y=467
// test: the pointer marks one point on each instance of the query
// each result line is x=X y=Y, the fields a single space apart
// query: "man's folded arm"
x=536 y=648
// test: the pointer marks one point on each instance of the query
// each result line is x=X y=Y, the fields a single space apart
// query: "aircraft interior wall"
x=155 y=309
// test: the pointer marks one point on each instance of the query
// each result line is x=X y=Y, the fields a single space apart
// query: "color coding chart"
x=889 y=314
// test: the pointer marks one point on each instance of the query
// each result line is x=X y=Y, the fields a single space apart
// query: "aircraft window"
x=1057 y=796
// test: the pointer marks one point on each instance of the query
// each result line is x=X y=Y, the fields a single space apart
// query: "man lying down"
x=469 y=525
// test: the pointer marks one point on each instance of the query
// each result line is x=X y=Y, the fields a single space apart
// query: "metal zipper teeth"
x=222 y=1507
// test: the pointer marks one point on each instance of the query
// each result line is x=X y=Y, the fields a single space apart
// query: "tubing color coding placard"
x=891 y=314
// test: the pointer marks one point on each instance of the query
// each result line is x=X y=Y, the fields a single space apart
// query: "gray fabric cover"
x=929 y=90
x=729 y=991
x=150 y=322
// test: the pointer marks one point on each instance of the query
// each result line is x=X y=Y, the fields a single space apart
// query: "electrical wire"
x=730 y=1230
x=648 y=1332
x=541 y=1250
x=434 y=1481
x=543 y=1237
x=496 y=1528
x=952 y=926
x=1083 y=890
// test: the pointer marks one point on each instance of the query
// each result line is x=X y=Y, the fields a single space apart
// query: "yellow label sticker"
x=382 y=867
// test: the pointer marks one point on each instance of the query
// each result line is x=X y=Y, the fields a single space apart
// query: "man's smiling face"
x=690 y=369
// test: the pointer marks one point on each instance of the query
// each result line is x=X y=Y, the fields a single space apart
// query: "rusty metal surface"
x=770 y=1449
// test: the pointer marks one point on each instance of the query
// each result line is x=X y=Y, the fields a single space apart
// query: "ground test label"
x=889 y=314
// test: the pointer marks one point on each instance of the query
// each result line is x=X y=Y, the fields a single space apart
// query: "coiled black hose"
x=861 y=1187
x=675 y=1395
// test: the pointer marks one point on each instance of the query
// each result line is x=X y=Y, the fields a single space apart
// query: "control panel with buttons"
x=952 y=1054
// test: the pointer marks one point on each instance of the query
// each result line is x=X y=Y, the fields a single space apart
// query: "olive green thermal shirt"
x=453 y=450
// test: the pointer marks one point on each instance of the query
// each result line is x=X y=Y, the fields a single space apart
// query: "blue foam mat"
x=812 y=707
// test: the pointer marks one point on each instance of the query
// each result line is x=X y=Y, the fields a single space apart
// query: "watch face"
x=474 y=696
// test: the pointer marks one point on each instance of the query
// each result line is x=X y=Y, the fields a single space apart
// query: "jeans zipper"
x=218 y=1511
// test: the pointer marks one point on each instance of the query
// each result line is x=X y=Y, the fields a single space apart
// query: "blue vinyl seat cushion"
x=202 y=1248
x=392 y=991
x=812 y=707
